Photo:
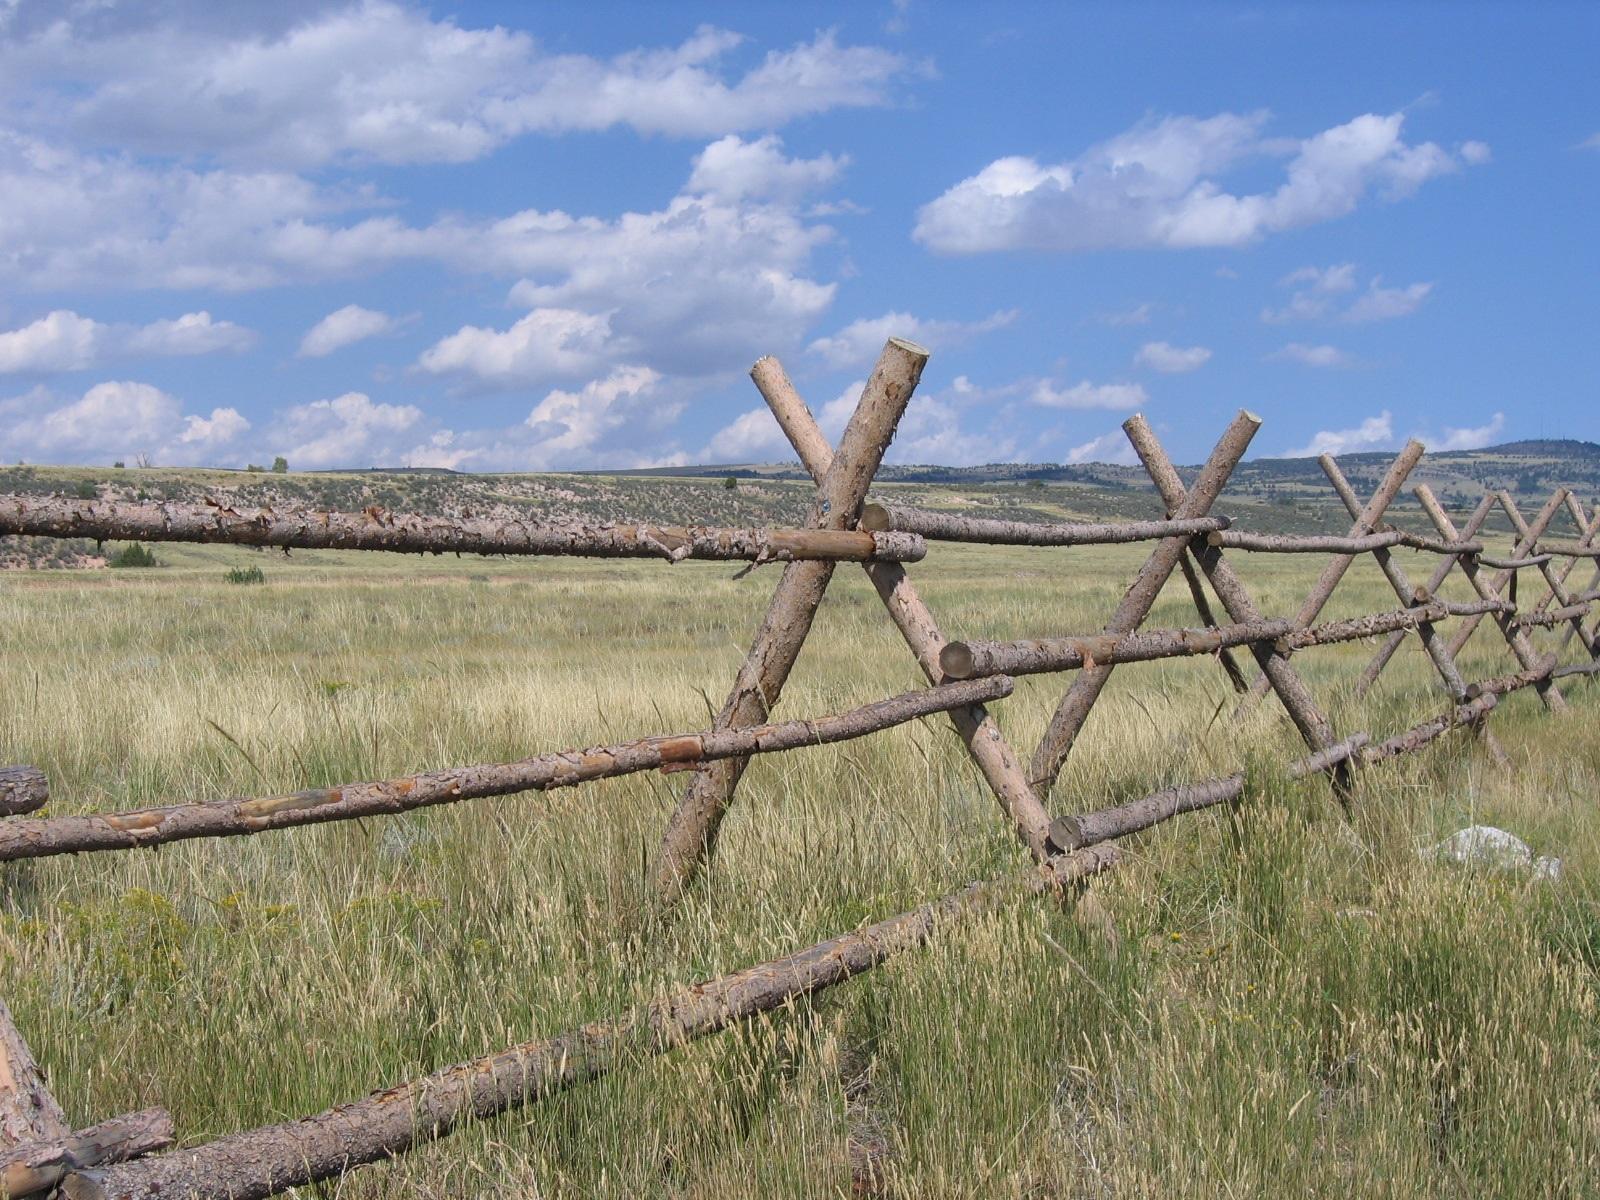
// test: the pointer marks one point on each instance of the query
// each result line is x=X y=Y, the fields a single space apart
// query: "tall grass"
x=1293 y=1004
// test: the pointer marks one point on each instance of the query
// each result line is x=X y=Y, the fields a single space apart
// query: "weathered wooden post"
x=1365 y=520
x=1136 y=602
x=977 y=729
x=692 y=831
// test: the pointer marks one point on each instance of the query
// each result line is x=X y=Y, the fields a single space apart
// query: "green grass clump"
x=250 y=574
x=134 y=555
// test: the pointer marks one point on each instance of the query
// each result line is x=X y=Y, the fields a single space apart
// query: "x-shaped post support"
x=692 y=832
x=1073 y=710
x=1442 y=572
x=1281 y=677
x=1365 y=521
x=1516 y=638
x=911 y=615
x=1558 y=591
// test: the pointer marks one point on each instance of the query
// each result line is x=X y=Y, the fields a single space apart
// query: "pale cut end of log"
x=1065 y=834
x=1421 y=595
x=875 y=519
x=22 y=790
x=911 y=347
x=956 y=660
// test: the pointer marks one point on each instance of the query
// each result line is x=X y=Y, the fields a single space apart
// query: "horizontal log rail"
x=953 y=527
x=969 y=660
x=1553 y=616
x=42 y=837
x=1288 y=543
x=1568 y=549
x=414 y=533
x=263 y=1162
x=1514 y=564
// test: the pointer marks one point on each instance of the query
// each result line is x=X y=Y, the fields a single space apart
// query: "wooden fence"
x=132 y=1156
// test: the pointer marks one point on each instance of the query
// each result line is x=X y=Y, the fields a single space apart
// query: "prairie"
x=1293 y=1003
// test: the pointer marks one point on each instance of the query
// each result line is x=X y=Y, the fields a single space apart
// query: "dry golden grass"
x=1297 y=1006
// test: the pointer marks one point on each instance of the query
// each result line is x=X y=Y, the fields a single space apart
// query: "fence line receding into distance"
x=132 y=1156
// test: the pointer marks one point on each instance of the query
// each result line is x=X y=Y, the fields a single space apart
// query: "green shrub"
x=251 y=574
x=135 y=555
x=87 y=490
x=731 y=482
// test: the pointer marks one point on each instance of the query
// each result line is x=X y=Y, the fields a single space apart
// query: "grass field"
x=1292 y=1004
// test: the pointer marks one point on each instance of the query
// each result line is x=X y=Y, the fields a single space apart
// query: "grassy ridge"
x=1292 y=1005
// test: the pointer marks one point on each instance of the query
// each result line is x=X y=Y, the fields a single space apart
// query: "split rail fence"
x=133 y=1155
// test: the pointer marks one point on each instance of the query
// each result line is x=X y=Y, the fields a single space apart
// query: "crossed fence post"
x=1136 y=602
x=1591 y=530
x=1558 y=591
x=1524 y=545
x=1284 y=680
x=691 y=834
x=1515 y=636
x=911 y=615
x=1365 y=521
x=1435 y=581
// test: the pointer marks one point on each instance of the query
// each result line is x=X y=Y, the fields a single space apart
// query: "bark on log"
x=28 y=1112
x=1568 y=550
x=1286 y=543
x=968 y=660
x=1284 y=680
x=952 y=527
x=1136 y=602
x=413 y=533
x=915 y=621
x=1554 y=616
x=37 y=1167
x=1501 y=685
x=40 y=837
x=1588 y=668
x=22 y=789
x=1364 y=520
x=692 y=832
x=1106 y=824
x=1515 y=638
x=1591 y=531
x=1520 y=563
x=1440 y=574
x=1418 y=736
x=262 y=1162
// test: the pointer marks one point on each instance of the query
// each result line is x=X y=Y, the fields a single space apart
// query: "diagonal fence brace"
x=1516 y=637
x=1558 y=591
x=1435 y=581
x=974 y=725
x=1284 y=680
x=692 y=832
x=1507 y=576
x=1137 y=601
x=1365 y=521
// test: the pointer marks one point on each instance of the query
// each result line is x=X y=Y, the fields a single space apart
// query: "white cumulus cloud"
x=1171 y=360
x=1319 y=294
x=548 y=343
x=860 y=342
x=1088 y=395
x=734 y=169
x=344 y=327
x=63 y=340
x=1471 y=438
x=1158 y=185
x=118 y=420
x=351 y=430
x=385 y=82
x=1374 y=433
x=1112 y=447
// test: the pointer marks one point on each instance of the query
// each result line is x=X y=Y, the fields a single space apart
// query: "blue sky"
x=539 y=237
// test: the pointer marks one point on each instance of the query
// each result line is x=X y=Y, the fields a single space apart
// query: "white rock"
x=1486 y=846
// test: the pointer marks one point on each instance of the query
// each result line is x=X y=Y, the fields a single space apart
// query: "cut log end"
x=957 y=661
x=875 y=519
x=1065 y=834
x=22 y=790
